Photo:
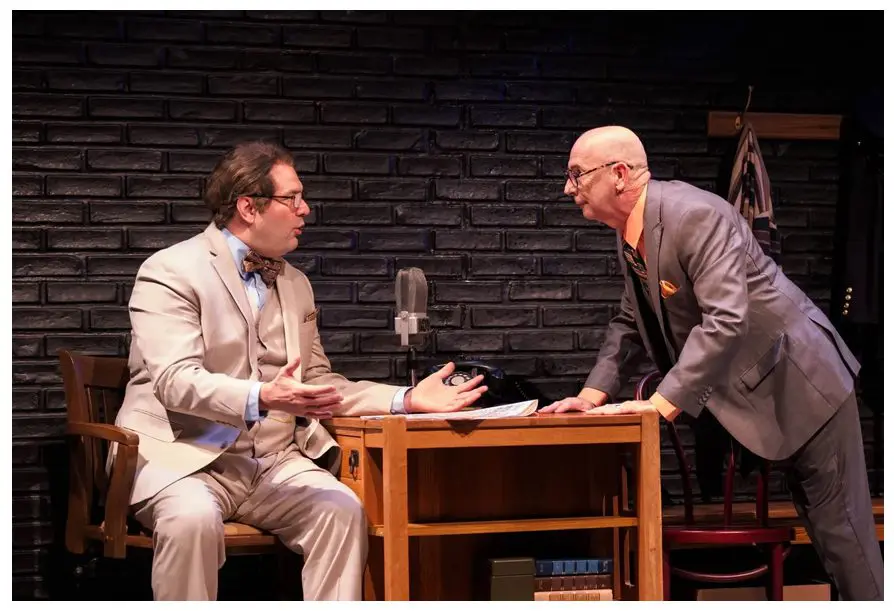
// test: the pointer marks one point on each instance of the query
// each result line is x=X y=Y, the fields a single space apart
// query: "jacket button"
x=849 y=290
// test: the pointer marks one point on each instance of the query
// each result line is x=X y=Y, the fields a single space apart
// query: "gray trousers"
x=830 y=490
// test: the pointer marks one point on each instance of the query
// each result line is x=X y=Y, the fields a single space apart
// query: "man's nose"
x=569 y=188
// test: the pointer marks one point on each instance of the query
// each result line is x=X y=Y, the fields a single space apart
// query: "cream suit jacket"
x=193 y=361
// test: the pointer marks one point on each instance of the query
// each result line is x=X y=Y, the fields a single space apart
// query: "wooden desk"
x=443 y=497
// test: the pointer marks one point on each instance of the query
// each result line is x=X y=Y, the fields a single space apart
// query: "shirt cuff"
x=397 y=404
x=251 y=404
x=664 y=407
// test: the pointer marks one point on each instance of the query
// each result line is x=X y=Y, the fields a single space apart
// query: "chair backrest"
x=644 y=389
x=94 y=390
x=94 y=386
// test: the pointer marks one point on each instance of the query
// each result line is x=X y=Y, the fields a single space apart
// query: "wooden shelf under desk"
x=477 y=527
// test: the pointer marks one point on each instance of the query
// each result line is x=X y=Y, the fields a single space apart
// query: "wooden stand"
x=442 y=498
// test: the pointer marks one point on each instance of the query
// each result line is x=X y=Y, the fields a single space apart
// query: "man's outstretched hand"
x=578 y=404
x=590 y=399
x=286 y=394
x=627 y=407
x=432 y=395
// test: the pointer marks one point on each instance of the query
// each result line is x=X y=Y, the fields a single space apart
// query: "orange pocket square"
x=667 y=289
x=311 y=316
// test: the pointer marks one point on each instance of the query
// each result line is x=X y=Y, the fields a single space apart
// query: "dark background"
x=429 y=139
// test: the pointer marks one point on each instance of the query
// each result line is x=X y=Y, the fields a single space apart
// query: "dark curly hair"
x=244 y=169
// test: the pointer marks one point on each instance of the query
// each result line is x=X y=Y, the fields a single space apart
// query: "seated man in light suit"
x=228 y=383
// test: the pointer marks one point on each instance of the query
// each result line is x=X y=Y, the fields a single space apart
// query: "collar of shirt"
x=239 y=250
x=633 y=230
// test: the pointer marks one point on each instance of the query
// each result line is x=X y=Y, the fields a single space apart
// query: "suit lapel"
x=289 y=323
x=225 y=267
x=306 y=428
x=652 y=233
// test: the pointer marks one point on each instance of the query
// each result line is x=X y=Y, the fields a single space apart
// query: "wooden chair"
x=773 y=540
x=98 y=508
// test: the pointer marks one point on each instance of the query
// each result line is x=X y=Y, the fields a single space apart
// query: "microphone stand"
x=411 y=367
x=406 y=325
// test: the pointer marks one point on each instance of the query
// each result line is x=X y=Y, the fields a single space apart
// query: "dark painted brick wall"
x=435 y=140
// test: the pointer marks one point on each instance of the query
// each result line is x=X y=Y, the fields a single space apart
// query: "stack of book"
x=573 y=579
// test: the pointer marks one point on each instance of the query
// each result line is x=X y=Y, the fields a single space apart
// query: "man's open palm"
x=432 y=395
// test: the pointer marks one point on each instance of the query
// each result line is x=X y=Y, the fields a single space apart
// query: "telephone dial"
x=501 y=387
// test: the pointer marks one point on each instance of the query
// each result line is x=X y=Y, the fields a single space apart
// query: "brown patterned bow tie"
x=267 y=267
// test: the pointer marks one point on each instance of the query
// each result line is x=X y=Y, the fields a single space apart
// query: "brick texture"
x=430 y=140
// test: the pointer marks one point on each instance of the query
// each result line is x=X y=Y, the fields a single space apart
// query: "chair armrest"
x=108 y=432
x=124 y=466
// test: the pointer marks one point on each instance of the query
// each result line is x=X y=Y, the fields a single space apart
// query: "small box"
x=813 y=591
x=512 y=579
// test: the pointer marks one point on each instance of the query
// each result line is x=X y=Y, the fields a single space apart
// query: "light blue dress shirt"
x=257 y=292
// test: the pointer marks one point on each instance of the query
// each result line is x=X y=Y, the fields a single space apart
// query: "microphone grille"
x=411 y=290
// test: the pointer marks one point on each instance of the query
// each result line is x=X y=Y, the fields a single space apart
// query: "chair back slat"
x=94 y=391
x=644 y=389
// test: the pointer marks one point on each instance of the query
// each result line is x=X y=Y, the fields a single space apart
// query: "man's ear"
x=621 y=174
x=245 y=210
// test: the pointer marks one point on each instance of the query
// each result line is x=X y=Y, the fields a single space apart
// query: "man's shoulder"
x=679 y=198
x=293 y=274
x=182 y=255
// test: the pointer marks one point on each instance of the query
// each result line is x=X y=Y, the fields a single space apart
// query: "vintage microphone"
x=411 y=293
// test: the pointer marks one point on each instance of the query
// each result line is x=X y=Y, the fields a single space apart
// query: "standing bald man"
x=732 y=334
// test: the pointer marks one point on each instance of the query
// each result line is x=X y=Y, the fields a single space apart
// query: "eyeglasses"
x=292 y=201
x=574 y=175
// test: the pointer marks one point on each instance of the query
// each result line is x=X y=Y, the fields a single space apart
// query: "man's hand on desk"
x=432 y=395
x=286 y=394
x=589 y=398
x=627 y=407
x=592 y=401
x=655 y=403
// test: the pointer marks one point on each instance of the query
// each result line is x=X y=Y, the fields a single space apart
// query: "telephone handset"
x=501 y=387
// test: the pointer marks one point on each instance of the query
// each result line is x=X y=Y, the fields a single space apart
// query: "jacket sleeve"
x=166 y=320
x=361 y=398
x=622 y=346
x=712 y=253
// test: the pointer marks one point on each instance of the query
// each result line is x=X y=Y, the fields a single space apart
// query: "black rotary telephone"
x=501 y=387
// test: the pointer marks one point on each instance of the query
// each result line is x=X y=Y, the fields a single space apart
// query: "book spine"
x=592 y=594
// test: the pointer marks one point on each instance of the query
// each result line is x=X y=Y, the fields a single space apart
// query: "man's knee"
x=196 y=522
x=351 y=509
x=344 y=508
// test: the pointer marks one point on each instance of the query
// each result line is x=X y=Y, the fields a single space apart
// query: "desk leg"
x=648 y=511
x=396 y=541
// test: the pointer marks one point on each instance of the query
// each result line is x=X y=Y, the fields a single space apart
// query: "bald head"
x=610 y=143
x=608 y=171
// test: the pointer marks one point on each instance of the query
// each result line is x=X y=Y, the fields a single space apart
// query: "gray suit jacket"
x=736 y=336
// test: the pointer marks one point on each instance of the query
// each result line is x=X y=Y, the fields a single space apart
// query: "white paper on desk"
x=507 y=410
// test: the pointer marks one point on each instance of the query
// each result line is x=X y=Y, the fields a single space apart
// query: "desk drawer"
x=352 y=459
